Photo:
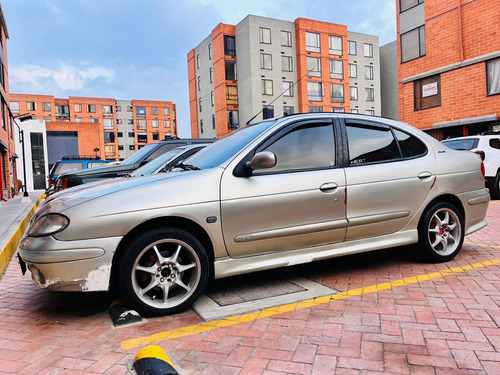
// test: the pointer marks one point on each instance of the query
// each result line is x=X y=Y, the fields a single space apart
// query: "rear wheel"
x=163 y=271
x=441 y=232
x=495 y=187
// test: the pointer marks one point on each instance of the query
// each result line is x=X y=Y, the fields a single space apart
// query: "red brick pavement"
x=449 y=325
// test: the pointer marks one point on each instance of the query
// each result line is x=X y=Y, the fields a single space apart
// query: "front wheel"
x=441 y=232
x=495 y=187
x=163 y=271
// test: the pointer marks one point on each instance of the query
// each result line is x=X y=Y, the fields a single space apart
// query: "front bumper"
x=83 y=265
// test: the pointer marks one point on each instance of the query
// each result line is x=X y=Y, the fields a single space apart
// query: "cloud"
x=66 y=77
x=381 y=22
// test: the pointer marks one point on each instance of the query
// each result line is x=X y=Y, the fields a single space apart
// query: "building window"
x=368 y=72
x=30 y=106
x=315 y=91
x=211 y=74
x=142 y=137
x=131 y=134
x=198 y=61
x=213 y=121
x=141 y=124
x=413 y=44
x=427 y=92
x=107 y=110
x=120 y=147
x=201 y=126
x=109 y=137
x=232 y=95
x=368 y=50
x=168 y=135
x=77 y=108
x=91 y=108
x=335 y=45
x=315 y=109
x=62 y=110
x=337 y=93
x=140 y=111
x=267 y=87
x=199 y=83
x=336 y=69
x=287 y=88
x=210 y=51
x=212 y=99
x=118 y=108
x=313 y=66
x=156 y=136
x=266 y=61
x=267 y=112
x=229 y=45
x=130 y=121
x=49 y=118
x=199 y=105
x=286 y=38
x=94 y=120
x=354 y=110
x=108 y=123
x=352 y=47
x=286 y=63
x=166 y=123
x=119 y=121
x=129 y=108
x=46 y=107
x=353 y=92
x=109 y=151
x=312 y=42
x=353 y=71
x=131 y=147
x=265 y=35
x=369 y=94
x=154 y=110
x=166 y=111
x=370 y=112
x=492 y=76
x=288 y=110
x=231 y=70
x=14 y=107
x=338 y=109
x=119 y=134
x=155 y=123
x=233 y=120
x=407 y=4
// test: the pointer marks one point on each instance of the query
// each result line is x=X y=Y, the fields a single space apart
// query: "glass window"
x=212 y=98
x=141 y=124
x=95 y=120
x=119 y=121
x=107 y=110
x=370 y=112
x=493 y=76
x=267 y=112
x=335 y=45
x=140 y=111
x=369 y=144
x=287 y=88
x=14 y=107
x=354 y=92
x=154 y=110
x=288 y=110
x=231 y=70
x=211 y=74
x=266 y=61
x=142 y=137
x=109 y=150
x=312 y=42
x=315 y=109
x=68 y=167
x=286 y=63
x=229 y=45
x=407 y=4
x=336 y=69
x=313 y=66
x=166 y=111
x=409 y=145
x=338 y=109
x=130 y=121
x=354 y=110
x=353 y=71
x=155 y=123
x=233 y=119
x=131 y=147
x=337 y=93
x=213 y=121
x=369 y=94
x=118 y=108
x=46 y=107
x=130 y=108
x=232 y=95
x=265 y=35
x=108 y=123
x=413 y=44
x=307 y=147
x=427 y=92
x=156 y=136
x=315 y=91
x=286 y=38
x=109 y=137
x=368 y=72
x=91 y=108
x=267 y=87
x=368 y=50
x=119 y=134
x=30 y=106
x=131 y=134
x=352 y=47
x=199 y=83
x=198 y=61
x=199 y=105
x=77 y=119
x=495 y=143
x=62 y=110
x=210 y=51
x=166 y=123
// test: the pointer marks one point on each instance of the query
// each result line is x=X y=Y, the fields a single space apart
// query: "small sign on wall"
x=430 y=89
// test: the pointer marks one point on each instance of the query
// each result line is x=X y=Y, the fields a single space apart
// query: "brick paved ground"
x=449 y=325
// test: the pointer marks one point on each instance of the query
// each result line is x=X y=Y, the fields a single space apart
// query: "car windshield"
x=462 y=144
x=220 y=151
x=156 y=163
x=139 y=154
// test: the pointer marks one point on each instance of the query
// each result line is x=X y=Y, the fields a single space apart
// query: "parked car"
x=488 y=147
x=138 y=159
x=281 y=192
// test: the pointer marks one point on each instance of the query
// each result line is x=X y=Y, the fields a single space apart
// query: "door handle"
x=424 y=175
x=328 y=186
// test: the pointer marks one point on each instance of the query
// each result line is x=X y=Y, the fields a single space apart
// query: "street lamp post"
x=22 y=118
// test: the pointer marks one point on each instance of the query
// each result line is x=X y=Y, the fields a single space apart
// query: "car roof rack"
x=81 y=157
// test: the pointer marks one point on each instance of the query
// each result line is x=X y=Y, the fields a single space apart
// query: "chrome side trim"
x=291 y=231
x=225 y=267
x=370 y=219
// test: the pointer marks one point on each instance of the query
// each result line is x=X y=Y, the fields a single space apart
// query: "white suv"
x=488 y=147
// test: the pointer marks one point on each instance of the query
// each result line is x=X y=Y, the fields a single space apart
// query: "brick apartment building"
x=78 y=125
x=241 y=70
x=8 y=166
x=449 y=65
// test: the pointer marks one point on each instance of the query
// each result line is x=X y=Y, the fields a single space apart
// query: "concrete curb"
x=10 y=247
x=152 y=360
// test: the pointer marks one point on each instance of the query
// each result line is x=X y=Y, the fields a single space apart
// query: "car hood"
x=86 y=186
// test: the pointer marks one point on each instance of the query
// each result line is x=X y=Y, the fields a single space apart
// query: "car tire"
x=441 y=232
x=162 y=271
x=495 y=187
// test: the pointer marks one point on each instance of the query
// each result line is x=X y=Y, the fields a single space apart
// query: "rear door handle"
x=424 y=175
x=328 y=186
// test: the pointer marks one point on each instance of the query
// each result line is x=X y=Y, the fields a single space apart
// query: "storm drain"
x=244 y=294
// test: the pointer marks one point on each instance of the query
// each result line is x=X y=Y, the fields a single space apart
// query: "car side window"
x=409 y=145
x=495 y=143
x=162 y=149
x=369 y=144
x=310 y=146
x=69 y=167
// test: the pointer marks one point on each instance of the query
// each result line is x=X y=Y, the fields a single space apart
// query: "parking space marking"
x=265 y=313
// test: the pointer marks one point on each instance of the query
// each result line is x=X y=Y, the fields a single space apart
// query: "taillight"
x=481 y=154
x=62 y=183
x=52 y=181
x=483 y=170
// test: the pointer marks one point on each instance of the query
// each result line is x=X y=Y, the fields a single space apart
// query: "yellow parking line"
x=482 y=245
x=265 y=313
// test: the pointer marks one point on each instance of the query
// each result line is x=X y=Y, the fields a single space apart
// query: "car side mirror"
x=262 y=160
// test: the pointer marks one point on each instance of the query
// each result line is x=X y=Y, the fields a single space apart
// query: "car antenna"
x=279 y=96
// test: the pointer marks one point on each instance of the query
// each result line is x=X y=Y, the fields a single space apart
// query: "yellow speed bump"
x=152 y=360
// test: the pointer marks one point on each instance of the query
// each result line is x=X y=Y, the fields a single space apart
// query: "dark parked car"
x=140 y=158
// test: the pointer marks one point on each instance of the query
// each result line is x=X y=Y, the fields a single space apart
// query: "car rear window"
x=95 y=164
x=68 y=167
x=462 y=144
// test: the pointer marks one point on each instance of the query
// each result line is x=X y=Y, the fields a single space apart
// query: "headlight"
x=47 y=225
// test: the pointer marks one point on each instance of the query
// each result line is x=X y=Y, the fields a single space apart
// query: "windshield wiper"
x=187 y=167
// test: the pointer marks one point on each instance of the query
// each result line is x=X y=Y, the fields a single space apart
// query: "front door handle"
x=424 y=175
x=328 y=186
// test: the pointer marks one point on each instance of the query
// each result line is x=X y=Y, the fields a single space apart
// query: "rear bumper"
x=475 y=204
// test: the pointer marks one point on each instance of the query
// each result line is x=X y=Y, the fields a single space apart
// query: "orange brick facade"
x=456 y=31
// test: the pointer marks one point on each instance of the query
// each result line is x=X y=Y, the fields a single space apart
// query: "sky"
x=137 y=49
